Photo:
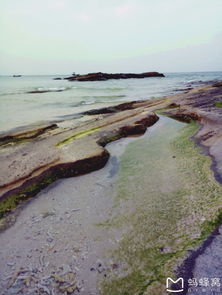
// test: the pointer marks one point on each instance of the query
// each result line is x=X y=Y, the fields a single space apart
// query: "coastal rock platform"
x=32 y=159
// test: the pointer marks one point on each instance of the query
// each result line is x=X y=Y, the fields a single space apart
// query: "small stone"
x=35 y=270
x=166 y=249
x=10 y=263
x=114 y=266
x=49 y=240
x=99 y=267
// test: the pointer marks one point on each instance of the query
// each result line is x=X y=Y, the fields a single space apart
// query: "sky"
x=65 y=36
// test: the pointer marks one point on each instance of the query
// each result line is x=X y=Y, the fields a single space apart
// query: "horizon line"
x=64 y=74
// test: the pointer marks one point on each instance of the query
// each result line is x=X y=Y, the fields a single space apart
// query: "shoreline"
x=102 y=126
x=130 y=120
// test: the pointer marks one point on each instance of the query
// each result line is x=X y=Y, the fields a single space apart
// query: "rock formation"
x=99 y=76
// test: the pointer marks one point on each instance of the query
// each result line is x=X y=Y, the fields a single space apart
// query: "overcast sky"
x=62 y=36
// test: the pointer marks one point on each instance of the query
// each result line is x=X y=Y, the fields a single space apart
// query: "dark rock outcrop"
x=99 y=76
x=218 y=84
x=106 y=110
x=44 y=91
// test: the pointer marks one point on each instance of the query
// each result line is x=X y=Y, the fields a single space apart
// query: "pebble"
x=99 y=266
x=10 y=263
x=49 y=240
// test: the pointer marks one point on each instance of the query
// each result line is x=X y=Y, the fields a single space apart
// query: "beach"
x=112 y=196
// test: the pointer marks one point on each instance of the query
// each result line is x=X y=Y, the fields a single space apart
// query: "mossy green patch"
x=167 y=202
x=11 y=202
x=78 y=135
x=218 y=104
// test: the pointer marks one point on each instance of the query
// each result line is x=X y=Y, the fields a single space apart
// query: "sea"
x=33 y=100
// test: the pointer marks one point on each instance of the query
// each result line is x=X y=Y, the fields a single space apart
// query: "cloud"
x=125 y=10
x=101 y=31
x=82 y=17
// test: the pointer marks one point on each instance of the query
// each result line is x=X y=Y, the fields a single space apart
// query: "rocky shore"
x=33 y=159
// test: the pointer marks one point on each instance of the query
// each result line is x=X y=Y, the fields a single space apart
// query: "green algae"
x=167 y=202
x=78 y=135
x=218 y=104
x=11 y=202
x=24 y=137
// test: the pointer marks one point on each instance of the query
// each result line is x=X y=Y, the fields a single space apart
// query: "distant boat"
x=16 y=76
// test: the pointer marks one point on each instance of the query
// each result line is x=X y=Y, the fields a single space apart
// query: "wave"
x=50 y=89
x=10 y=93
x=102 y=96
x=37 y=90
x=82 y=103
x=88 y=100
x=101 y=88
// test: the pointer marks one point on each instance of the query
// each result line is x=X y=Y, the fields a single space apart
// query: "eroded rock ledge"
x=205 y=106
x=48 y=154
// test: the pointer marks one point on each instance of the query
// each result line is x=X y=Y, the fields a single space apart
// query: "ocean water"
x=57 y=100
